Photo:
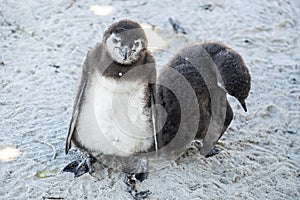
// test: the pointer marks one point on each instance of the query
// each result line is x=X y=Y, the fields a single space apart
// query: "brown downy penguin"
x=212 y=70
x=112 y=110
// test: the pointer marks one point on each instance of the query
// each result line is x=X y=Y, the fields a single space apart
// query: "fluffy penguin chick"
x=111 y=114
x=208 y=68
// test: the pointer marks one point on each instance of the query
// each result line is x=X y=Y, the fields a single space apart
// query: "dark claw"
x=71 y=167
x=79 y=167
x=213 y=152
x=130 y=181
x=197 y=144
x=141 y=176
x=142 y=195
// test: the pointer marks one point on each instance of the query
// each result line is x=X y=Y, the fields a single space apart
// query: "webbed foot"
x=130 y=181
x=213 y=151
x=80 y=167
x=141 y=176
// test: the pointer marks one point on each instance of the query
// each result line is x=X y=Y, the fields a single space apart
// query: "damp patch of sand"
x=43 y=44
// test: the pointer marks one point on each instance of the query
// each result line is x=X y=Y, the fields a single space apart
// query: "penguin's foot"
x=141 y=176
x=197 y=144
x=130 y=181
x=80 y=167
x=213 y=151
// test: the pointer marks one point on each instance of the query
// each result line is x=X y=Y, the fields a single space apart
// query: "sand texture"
x=43 y=44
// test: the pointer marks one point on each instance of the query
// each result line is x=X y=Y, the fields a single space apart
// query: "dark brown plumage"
x=206 y=67
x=235 y=74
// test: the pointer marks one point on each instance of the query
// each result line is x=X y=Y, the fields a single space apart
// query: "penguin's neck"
x=113 y=69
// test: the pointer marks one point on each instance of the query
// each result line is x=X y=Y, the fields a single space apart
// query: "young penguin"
x=211 y=69
x=112 y=110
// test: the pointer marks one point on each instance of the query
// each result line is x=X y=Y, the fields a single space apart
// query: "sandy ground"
x=42 y=46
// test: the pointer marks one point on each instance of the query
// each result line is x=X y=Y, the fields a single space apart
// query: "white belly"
x=113 y=120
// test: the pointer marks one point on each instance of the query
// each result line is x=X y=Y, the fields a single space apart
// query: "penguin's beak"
x=126 y=53
x=243 y=103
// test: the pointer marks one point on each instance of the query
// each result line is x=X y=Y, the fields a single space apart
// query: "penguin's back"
x=234 y=72
x=197 y=67
x=168 y=98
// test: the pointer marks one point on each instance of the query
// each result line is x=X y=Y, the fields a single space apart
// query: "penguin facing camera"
x=112 y=113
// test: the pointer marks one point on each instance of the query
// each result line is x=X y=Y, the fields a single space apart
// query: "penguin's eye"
x=136 y=44
x=115 y=41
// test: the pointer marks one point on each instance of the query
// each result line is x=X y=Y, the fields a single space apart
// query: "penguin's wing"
x=91 y=60
x=75 y=116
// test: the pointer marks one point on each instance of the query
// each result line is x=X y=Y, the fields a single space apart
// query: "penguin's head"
x=234 y=72
x=126 y=42
x=235 y=75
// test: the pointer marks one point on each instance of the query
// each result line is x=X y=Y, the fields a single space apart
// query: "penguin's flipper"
x=80 y=167
x=72 y=126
